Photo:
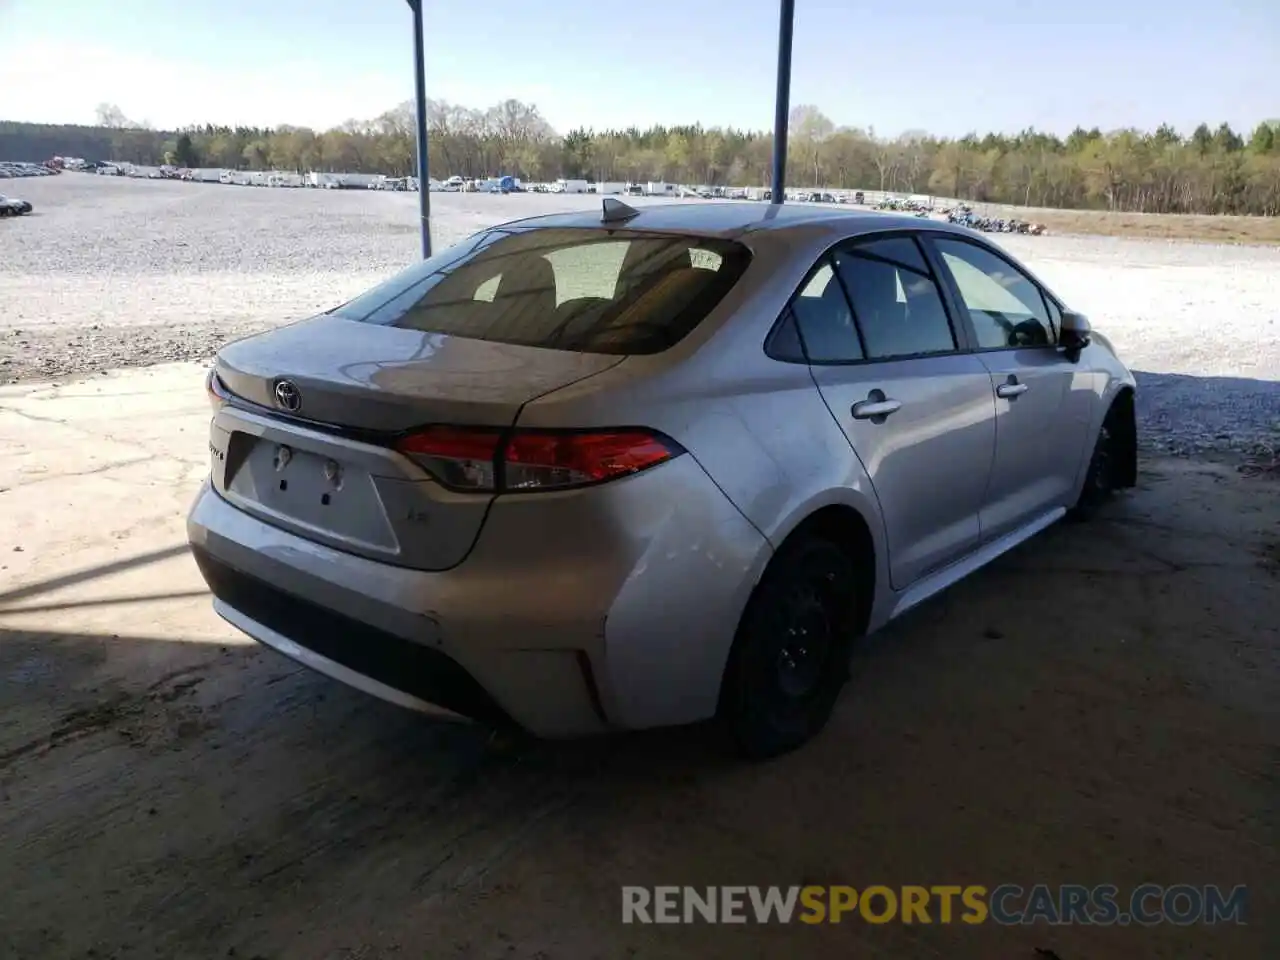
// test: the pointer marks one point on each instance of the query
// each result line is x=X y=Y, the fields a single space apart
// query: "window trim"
x=960 y=331
x=929 y=239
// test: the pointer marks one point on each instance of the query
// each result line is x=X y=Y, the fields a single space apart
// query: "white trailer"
x=609 y=187
x=659 y=188
x=357 y=181
x=569 y=186
x=206 y=175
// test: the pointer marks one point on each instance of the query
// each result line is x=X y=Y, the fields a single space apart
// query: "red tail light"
x=218 y=394
x=459 y=458
x=528 y=460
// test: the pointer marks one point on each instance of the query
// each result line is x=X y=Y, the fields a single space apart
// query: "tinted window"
x=1006 y=307
x=587 y=290
x=895 y=300
x=826 y=324
x=784 y=343
x=900 y=251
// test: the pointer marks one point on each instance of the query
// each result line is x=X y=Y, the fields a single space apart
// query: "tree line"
x=1208 y=171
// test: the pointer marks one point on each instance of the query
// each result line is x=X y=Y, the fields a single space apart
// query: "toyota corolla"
x=626 y=469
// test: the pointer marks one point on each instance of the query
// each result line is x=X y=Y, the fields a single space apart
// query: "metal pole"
x=420 y=97
x=782 y=107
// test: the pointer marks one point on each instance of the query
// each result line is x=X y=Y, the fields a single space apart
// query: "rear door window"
x=581 y=289
x=896 y=303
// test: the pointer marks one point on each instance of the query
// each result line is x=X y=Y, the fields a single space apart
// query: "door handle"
x=875 y=409
x=1013 y=388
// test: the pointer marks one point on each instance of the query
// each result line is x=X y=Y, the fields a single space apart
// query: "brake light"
x=531 y=460
x=218 y=394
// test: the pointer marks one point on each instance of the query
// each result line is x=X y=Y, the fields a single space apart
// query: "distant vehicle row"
x=10 y=170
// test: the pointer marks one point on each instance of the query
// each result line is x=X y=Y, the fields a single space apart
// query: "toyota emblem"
x=288 y=396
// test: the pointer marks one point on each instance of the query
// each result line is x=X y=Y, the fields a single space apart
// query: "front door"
x=917 y=412
x=1044 y=402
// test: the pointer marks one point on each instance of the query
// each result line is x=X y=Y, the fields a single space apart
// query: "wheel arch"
x=844 y=525
x=840 y=523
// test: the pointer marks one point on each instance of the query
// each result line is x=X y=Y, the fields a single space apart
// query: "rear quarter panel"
x=757 y=426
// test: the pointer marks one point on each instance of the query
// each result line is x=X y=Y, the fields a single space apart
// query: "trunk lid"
x=390 y=379
x=347 y=488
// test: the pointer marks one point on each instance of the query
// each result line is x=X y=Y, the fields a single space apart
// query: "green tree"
x=1214 y=170
x=184 y=151
x=1264 y=138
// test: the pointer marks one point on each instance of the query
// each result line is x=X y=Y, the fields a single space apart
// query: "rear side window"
x=822 y=315
x=580 y=289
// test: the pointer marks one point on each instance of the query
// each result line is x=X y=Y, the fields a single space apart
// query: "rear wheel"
x=790 y=658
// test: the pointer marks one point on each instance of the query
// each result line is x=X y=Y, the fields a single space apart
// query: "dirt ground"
x=1149 y=226
x=1098 y=706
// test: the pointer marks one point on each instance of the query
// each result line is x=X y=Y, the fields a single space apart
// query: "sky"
x=947 y=67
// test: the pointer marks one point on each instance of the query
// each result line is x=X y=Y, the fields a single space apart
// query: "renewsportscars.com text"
x=1006 y=904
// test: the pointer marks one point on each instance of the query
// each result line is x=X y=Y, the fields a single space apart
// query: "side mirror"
x=1075 y=334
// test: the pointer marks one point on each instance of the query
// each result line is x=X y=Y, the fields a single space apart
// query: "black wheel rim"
x=805 y=644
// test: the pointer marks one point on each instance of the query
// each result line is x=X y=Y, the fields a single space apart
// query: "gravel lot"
x=112 y=272
x=1098 y=706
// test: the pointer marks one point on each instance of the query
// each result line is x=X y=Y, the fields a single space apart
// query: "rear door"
x=916 y=409
x=1044 y=402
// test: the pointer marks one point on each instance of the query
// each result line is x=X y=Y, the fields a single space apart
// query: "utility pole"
x=782 y=103
x=420 y=98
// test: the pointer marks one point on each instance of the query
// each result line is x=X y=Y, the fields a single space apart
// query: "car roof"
x=730 y=219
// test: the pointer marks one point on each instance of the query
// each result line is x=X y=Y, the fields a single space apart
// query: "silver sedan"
x=606 y=471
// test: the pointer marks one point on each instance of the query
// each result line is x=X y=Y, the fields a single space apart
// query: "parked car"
x=582 y=473
x=13 y=207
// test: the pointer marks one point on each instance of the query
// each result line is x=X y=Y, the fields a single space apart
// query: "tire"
x=790 y=658
x=1099 y=480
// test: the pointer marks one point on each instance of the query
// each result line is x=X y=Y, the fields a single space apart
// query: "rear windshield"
x=581 y=289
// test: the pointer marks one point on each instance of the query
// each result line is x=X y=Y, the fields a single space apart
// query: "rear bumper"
x=377 y=627
x=564 y=627
x=361 y=656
